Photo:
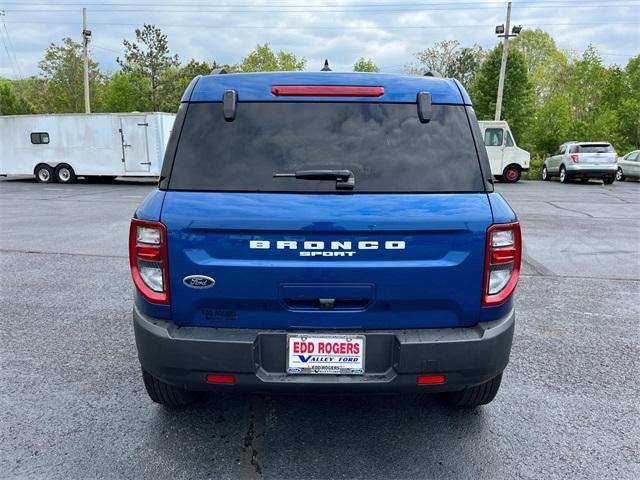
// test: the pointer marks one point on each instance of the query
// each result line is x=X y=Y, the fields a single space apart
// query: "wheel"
x=608 y=180
x=475 y=396
x=65 y=174
x=499 y=178
x=619 y=175
x=44 y=174
x=545 y=174
x=511 y=174
x=166 y=394
x=564 y=178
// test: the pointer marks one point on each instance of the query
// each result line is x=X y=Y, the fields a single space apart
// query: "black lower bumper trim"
x=183 y=356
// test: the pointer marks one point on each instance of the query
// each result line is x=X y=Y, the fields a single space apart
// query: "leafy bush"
x=535 y=168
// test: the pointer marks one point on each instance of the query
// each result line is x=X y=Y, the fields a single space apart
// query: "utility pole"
x=86 y=35
x=503 y=64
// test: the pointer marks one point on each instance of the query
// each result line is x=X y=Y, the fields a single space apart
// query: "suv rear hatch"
x=404 y=248
x=594 y=154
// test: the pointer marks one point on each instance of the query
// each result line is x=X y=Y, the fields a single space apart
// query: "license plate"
x=325 y=354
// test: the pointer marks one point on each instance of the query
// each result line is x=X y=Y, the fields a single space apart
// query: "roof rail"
x=218 y=71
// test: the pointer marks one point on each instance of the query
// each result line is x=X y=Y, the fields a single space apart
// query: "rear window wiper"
x=345 y=180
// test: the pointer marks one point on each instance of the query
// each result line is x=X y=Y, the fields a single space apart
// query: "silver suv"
x=583 y=160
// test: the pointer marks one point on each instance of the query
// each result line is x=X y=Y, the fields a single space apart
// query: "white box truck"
x=62 y=147
x=506 y=159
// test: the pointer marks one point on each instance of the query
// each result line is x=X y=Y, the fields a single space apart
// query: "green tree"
x=150 y=62
x=264 y=59
x=121 y=94
x=35 y=91
x=517 y=101
x=629 y=106
x=10 y=102
x=365 y=65
x=449 y=59
x=547 y=66
x=62 y=68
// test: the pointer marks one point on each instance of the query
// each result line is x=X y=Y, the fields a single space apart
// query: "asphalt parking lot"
x=73 y=405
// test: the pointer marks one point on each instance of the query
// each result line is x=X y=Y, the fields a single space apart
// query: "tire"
x=619 y=175
x=511 y=174
x=564 y=178
x=44 y=174
x=166 y=394
x=65 y=174
x=499 y=178
x=473 y=397
x=545 y=174
x=609 y=180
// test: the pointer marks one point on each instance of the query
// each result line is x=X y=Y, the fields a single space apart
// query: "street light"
x=502 y=31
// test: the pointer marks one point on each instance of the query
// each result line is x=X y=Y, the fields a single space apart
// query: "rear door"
x=403 y=249
x=596 y=154
x=135 y=152
x=493 y=141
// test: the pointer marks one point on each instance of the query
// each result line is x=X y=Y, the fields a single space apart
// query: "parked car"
x=101 y=146
x=507 y=160
x=582 y=160
x=324 y=232
x=629 y=166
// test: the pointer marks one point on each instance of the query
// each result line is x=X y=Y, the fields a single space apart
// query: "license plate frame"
x=333 y=365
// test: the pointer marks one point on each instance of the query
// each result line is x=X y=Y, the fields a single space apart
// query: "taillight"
x=574 y=157
x=148 y=259
x=502 y=263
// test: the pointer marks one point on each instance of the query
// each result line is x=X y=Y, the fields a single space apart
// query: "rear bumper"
x=183 y=356
x=595 y=171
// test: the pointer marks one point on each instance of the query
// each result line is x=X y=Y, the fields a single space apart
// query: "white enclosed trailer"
x=61 y=147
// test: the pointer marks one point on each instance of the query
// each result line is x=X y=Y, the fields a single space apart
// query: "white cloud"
x=341 y=31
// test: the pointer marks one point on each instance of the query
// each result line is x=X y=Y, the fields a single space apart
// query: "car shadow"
x=324 y=436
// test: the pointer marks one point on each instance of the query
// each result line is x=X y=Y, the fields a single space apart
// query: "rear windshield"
x=600 y=148
x=384 y=145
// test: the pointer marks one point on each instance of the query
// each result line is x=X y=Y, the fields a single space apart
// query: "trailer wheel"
x=43 y=173
x=65 y=174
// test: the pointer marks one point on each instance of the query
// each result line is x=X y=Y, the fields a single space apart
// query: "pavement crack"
x=250 y=456
x=570 y=210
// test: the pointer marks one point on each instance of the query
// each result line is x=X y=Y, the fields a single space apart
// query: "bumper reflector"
x=431 y=379
x=221 y=379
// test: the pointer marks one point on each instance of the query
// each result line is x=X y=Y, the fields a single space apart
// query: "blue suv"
x=324 y=232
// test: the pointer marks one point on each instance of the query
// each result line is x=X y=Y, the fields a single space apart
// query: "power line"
x=184 y=8
x=342 y=27
x=8 y=47
x=308 y=5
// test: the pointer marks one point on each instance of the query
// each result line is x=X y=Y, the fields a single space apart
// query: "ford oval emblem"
x=199 y=281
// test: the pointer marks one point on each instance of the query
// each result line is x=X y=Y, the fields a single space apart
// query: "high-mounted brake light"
x=148 y=260
x=502 y=263
x=574 y=157
x=326 y=91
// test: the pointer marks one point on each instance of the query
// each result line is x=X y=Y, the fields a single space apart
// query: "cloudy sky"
x=388 y=31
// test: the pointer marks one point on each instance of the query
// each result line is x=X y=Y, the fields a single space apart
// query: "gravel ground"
x=73 y=404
